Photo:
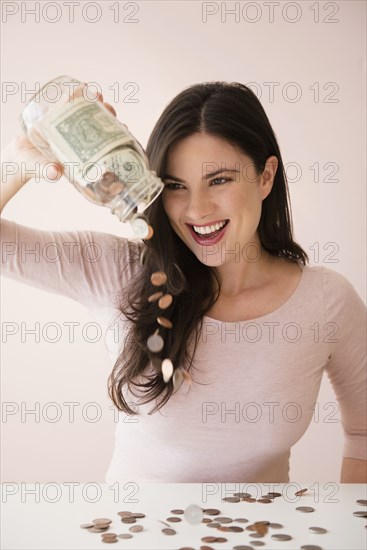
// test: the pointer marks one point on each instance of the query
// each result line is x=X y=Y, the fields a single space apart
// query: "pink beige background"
x=316 y=52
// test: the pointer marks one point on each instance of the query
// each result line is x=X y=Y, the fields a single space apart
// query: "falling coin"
x=241 y=495
x=142 y=257
x=261 y=528
x=86 y=525
x=167 y=370
x=165 y=301
x=241 y=520
x=177 y=511
x=140 y=227
x=317 y=530
x=235 y=529
x=209 y=539
x=96 y=530
x=300 y=492
x=281 y=537
x=275 y=494
x=231 y=499
x=168 y=531
x=305 y=509
x=360 y=514
x=137 y=515
x=166 y=323
x=155 y=343
x=193 y=514
x=310 y=547
x=256 y=535
x=174 y=519
x=249 y=499
x=362 y=502
x=154 y=297
x=265 y=500
x=275 y=525
x=99 y=521
x=158 y=278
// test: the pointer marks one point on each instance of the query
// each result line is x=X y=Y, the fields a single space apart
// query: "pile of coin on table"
x=194 y=515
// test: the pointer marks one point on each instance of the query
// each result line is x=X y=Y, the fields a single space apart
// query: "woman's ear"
x=268 y=176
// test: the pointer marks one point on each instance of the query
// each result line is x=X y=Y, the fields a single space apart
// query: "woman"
x=253 y=327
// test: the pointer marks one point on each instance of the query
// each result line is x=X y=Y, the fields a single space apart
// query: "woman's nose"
x=199 y=207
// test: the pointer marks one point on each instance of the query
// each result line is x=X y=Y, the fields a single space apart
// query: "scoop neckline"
x=291 y=298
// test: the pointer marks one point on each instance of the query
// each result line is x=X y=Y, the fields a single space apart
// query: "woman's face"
x=195 y=196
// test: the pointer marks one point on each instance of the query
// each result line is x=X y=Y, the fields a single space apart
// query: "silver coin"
x=140 y=228
x=305 y=509
x=274 y=495
x=155 y=343
x=193 y=514
x=281 y=537
x=235 y=529
x=317 y=530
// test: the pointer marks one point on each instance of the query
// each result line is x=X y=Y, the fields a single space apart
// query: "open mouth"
x=210 y=237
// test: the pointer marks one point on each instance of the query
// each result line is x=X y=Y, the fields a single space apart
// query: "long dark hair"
x=230 y=111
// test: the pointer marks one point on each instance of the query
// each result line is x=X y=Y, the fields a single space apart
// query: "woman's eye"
x=172 y=186
x=223 y=180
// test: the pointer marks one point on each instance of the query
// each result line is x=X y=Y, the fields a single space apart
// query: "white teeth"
x=208 y=228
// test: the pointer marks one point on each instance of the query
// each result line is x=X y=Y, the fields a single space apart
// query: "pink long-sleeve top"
x=255 y=382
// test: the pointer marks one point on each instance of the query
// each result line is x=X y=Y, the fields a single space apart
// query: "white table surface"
x=48 y=516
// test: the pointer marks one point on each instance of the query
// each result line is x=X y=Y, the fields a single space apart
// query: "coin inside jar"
x=158 y=278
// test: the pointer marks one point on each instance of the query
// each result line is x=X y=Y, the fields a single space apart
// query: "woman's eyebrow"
x=207 y=176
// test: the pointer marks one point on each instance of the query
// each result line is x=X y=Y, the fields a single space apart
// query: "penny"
x=281 y=537
x=231 y=499
x=249 y=499
x=125 y=536
x=300 y=492
x=174 y=519
x=165 y=301
x=99 y=521
x=265 y=500
x=241 y=495
x=256 y=535
x=224 y=528
x=96 y=530
x=214 y=525
x=241 y=520
x=155 y=343
x=206 y=520
x=186 y=548
x=109 y=535
x=211 y=511
x=136 y=528
x=158 y=278
x=221 y=539
x=166 y=323
x=235 y=529
x=124 y=514
x=310 y=547
x=242 y=547
x=305 y=509
x=154 y=297
x=317 y=530
x=275 y=525
x=275 y=494
x=86 y=525
x=261 y=528
x=168 y=531
x=137 y=515
x=257 y=543
x=128 y=519
x=209 y=539
x=223 y=519
x=362 y=502
x=110 y=540
x=177 y=511
x=360 y=514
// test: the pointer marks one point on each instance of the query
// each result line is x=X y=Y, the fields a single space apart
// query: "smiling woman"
x=251 y=328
